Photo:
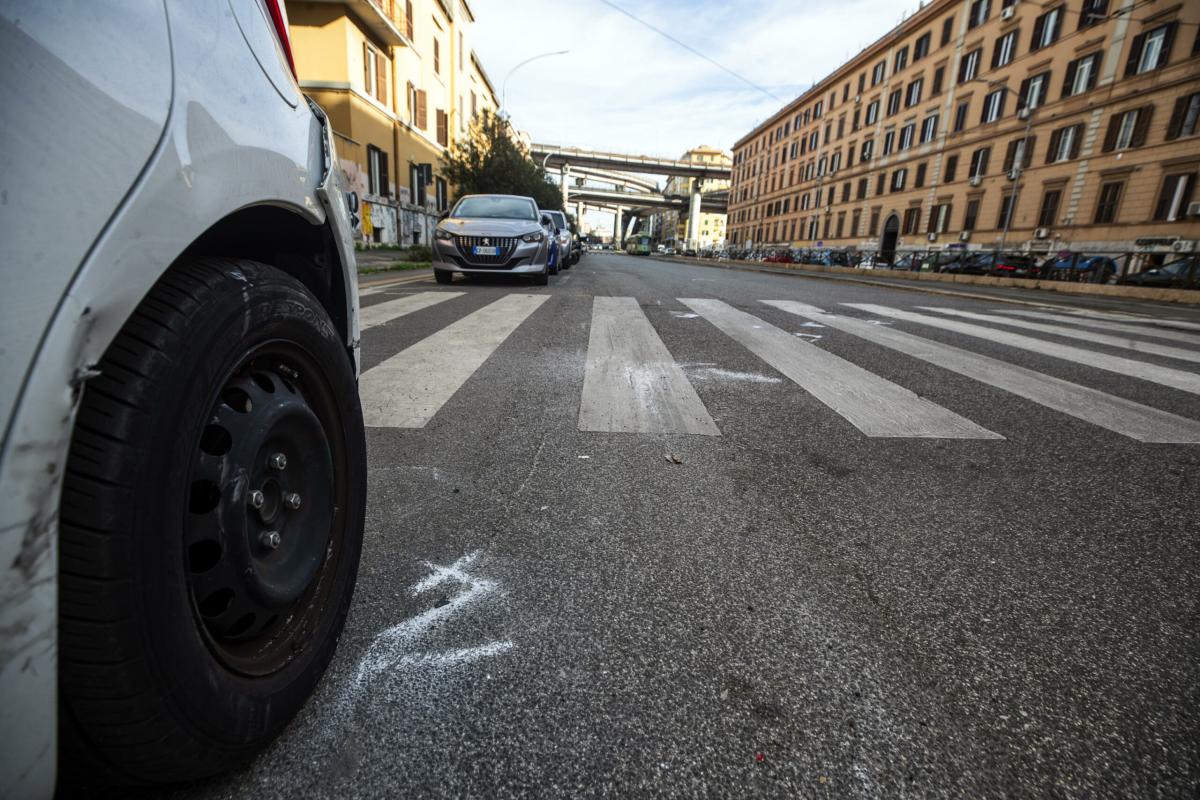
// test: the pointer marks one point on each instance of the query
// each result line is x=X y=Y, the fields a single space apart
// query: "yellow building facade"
x=401 y=84
x=974 y=123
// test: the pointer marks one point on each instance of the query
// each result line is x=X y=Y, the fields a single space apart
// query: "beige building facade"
x=401 y=84
x=675 y=227
x=977 y=124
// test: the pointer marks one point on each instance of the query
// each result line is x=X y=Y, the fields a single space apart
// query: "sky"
x=625 y=88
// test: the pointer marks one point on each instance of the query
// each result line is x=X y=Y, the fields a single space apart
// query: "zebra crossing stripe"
x=406 y=390
x=1153 y=331
x=1137 y=421
x=1165 y=376
x=1155 y=322
x=631 y=384
x=874 y=405
x=1149 y=348
x=389 y=310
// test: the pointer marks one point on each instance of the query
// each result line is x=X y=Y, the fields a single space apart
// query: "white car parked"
x=182 y=473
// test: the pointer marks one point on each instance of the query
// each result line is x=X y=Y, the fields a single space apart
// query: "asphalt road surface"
x=668 y=530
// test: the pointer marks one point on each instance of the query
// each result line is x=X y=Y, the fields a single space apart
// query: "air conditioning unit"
x=1184 y=246
x=828 y=209
x=975 y=180
x=1013 y=174
x=1008 y=12
x=857 y=99
x=1193 y=210
x=931 y=237
x=1041 y=233
x=1023 y=113
x=964 y=236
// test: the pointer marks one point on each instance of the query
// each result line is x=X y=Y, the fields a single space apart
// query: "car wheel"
x=211 y=523
x=542 y=279
x=443 y=276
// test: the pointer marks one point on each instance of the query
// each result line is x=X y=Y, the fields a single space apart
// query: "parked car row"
x=489 y=234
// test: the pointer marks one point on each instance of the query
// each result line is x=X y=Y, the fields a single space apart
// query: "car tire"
x=443 y=276
x=542 y=279
x=188 y=637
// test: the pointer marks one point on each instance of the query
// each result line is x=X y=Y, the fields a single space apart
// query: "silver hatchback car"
x=490 y=234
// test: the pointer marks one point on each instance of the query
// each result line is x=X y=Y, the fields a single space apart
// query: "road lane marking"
x=1149 y=348
x=1158 y=322
x=406 y=390
x=631 y=384
x=389 y=310
x=1143 y=423
x=1165 y=376
x=1142 y=329
x=380 y=286
x=877 y=407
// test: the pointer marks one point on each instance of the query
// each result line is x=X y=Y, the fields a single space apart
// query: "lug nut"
x=256 y=499
x=269 y=539
x=277 y=461
x=292 y=500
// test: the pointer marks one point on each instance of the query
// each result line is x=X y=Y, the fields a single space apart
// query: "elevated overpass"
x=559 y=157
x=716 y=203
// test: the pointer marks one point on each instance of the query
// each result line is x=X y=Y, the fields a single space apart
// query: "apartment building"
x=401 y=84
x=987 y=123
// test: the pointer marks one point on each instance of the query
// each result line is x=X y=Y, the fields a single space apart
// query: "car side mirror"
x=546 y=220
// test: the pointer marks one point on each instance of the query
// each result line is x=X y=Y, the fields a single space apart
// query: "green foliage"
x=418 y=252
x=489 y=161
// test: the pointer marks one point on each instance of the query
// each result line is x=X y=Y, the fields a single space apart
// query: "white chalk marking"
x=731 y=375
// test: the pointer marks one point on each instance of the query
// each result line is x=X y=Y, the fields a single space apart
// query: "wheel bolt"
x=269 y=539
x=292 y=500
x=277 y=461
x=256 y=499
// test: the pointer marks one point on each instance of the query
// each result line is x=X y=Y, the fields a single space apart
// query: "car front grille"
x=506 y=245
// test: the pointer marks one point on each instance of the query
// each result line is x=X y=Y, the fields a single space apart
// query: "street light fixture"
x=1018 y=164
x=504 y=83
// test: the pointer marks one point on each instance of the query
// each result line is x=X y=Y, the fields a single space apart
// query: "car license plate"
x=485 y=251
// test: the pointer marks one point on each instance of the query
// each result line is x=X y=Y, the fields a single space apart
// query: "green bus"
x=638 y=245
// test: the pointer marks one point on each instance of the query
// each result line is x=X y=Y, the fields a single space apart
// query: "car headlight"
x=536 y=236
x=443 y=234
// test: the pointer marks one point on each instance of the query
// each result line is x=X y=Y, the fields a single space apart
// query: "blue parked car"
x=1098 y=269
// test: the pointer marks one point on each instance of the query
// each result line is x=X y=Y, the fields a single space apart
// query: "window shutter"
x=1072 y=68
x=1023 y=94
x=1075 y=142
x=1038 y=26
x=1110 y=136
x=366 y=68
x=996 y=53
x=1135 y=53
x=422 y=110
x=1176 y=124
x=1055 y=141
x=1058 y=18
x=1030 y=144
x=1164 y=55
x=1010 y=154
x=381 y=81
x=1141 y=126
x=384 y=184
x=1165 y=195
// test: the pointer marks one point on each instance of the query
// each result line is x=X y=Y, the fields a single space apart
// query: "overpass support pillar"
x=566 y=178
x=619 y=232
x=693 y=223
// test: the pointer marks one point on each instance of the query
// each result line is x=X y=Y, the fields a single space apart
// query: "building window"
x=835 y=161
x=939 y=77
x=899 y=177
x=375 y=73
x=437 y=56
x=1093 y=13
x=880 y=182
x=1020 y=151
x=873 y=228
x=1006 y=48
x=969 y=67
x=460 y=52
x=878 y=73
x=817 y=109
x=855 y=221
x=868 y=149
x=960 y=116
x=948 y=172
x=854 y=123
x=901 y=60
x=921 y=46
x=841 y=128
x=1064 y=144
x=993 y=107
x=889 y=142
x=914 y=92
x=978 y=13
x=919 y=178
x=912 y=220
x=862 y=82
x=1183 y=117
x=972 y=215
x=873 y=112
x=1106 y=205
x=939 y=218
x=408 y=19
x=1150 y=50
x=979 y=162
x=377 y=171
x=863 y=185
x=1174 y=197
x=1081 y=75
x=894 y=99
x=846 y=192
x=1049 y=211
x=947 y=30
x=929 y=129
x=906 y=135
x=442 y=194
x=1033 y=91
x=1006 y=208
x=443 y=128
x=1046 y=28
x=1127 y=129
x=841 y=224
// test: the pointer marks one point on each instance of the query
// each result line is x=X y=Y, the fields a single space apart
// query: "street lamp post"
x=504 y=83
x=1018 y=163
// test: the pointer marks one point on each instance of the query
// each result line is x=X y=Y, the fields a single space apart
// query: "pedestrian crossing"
x=632 y=384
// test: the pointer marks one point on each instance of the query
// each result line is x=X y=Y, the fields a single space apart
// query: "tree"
x=489 y=161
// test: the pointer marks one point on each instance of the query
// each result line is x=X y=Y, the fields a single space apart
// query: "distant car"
x=779 y=257
x=563 y=236
x=1099 y=269
x=874 y=262
x=1006 y=265
x=1174 y=274
x=493 y=233
x=908 y=261
x=184 y=467
x=944 y=262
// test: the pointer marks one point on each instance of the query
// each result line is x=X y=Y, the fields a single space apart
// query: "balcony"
x=383 y=18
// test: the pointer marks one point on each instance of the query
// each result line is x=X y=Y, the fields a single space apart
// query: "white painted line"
x=631 y=384
x=1174 y=378
x=1137 y=421
x=875 y=406
x=1143 y=329
x=406 y=390
x=1149 y=348
x=389 y=310
x=1162 y=322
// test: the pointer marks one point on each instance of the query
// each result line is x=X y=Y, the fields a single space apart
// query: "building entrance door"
x=891 y=232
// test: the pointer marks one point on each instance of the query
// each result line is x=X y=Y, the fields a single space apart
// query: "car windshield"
x=558 y=218
x=488 y=207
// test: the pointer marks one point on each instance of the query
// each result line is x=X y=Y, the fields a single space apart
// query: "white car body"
x=130 y=131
